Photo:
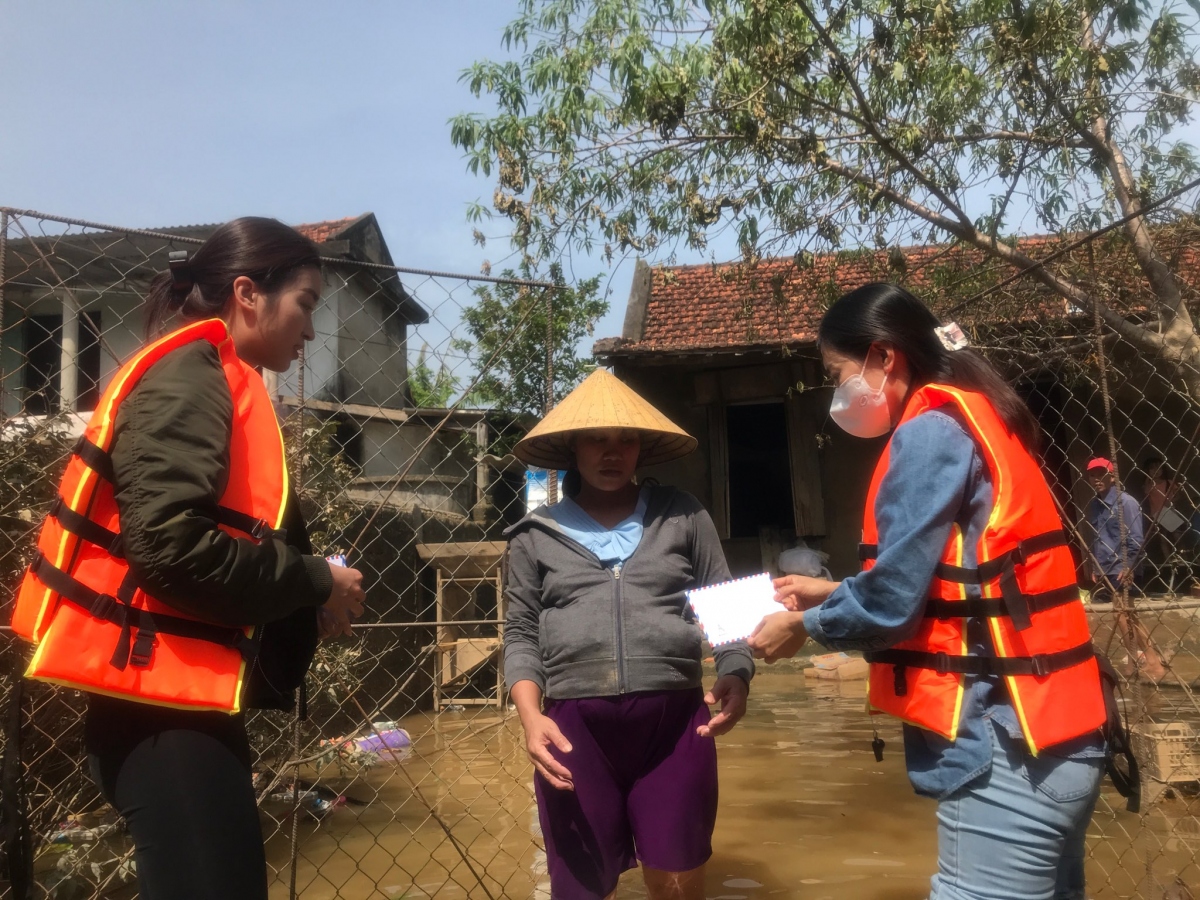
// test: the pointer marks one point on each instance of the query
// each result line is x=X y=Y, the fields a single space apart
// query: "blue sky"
x=168 y=112
x=165 y=113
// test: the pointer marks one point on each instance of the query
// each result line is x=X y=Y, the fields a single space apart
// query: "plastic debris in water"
x=73 y=831
x=382 y=742
x=312 y=802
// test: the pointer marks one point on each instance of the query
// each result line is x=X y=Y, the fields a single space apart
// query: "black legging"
x=182 y=782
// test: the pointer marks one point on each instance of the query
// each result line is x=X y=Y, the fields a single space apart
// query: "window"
x=42 y=339
x=760 y=479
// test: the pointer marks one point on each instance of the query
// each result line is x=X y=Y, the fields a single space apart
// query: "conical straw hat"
x=602 y=401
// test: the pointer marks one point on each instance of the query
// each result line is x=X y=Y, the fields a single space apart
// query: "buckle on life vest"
x=247 y=647
x=1041 y=665
x=899 y=681
x=106 y=607
x=262 y=530
x=1015 y=601
x=143 y=647
x=941 y=662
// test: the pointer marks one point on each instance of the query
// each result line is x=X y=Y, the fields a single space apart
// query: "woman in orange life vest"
x=205 y=597
x=967 y=607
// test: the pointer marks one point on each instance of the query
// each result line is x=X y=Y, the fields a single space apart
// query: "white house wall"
x=359 y=352
x=442 y=478
x=121 y=324
x=321 y=367
x=372 y=349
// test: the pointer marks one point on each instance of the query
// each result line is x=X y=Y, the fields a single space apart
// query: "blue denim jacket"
x=935 y=478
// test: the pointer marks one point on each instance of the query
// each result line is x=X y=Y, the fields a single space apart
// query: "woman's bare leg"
x=675 y=885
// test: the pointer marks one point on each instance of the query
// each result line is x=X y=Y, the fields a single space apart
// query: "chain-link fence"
x=1116 y=382
x=407 y=776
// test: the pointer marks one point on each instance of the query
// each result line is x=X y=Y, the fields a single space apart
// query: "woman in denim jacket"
x=1010 y=824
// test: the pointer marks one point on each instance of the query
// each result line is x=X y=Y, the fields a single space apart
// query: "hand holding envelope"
x=748 y=609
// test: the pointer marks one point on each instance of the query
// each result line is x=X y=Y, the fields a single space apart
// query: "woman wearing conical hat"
x=602 y=655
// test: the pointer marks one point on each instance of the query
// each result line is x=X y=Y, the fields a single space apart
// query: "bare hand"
x=730 y=691
x=1125 y=579
x=778 y=636
x=345 y=603
x=799 y=592
x=540 y=735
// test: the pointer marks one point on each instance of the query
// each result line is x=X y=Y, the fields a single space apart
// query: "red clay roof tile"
x=780 y=302
x=320 y=232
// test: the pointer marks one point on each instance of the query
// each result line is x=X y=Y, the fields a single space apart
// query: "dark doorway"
x=42 y=337
x=760 y=477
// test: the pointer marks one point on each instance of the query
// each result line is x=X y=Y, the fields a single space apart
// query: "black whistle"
x=877 y=745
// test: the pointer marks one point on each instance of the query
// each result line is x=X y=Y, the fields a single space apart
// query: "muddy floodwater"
x=806 y=812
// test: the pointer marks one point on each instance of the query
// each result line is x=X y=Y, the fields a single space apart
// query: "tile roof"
x=320 y=232
x=779 y=302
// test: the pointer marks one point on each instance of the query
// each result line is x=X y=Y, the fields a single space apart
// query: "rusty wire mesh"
x=419 y=495
x=408 y=778
x=1120 y=380
x=1099 y=388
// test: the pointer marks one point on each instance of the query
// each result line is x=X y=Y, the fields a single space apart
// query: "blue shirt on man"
x=1105 y=516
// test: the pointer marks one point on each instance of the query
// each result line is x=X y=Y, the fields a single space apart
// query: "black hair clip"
x=182 y=281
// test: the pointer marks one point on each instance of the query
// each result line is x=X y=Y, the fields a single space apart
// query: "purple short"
x=645 y=789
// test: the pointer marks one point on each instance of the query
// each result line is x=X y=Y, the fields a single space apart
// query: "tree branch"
x=869 y=119
x=967 y=233
x=1174 y=312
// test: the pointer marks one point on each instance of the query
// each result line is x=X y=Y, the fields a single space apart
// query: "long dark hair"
x=264 y=250
x=887 y=313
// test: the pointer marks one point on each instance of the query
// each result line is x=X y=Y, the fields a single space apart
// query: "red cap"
x=1100 y=463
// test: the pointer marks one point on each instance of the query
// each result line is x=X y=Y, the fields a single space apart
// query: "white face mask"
x=860 y=409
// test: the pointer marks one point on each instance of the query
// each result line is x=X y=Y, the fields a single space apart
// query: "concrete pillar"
x=482 y=472
x=68 y=381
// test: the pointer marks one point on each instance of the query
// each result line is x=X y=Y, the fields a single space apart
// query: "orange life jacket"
x=1029 y=599
x=95 y=629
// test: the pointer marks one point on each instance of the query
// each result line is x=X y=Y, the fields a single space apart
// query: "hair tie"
x=952 y=337
x=182 y=280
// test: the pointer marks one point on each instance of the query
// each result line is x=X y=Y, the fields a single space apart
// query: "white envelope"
x=731 y=610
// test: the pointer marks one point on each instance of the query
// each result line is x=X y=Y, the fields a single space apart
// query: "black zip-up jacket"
x=170 y=454
x=578 y=629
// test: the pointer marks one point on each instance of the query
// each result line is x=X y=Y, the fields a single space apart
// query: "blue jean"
x=1017 y=831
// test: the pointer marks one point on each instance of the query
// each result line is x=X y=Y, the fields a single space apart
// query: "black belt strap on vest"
x=120 y=611
x=96 y=459
x=1018 y=606
x=1040 y=665
x=100 y=462
x=81 y=526
x=994 y=607
x=259 y=529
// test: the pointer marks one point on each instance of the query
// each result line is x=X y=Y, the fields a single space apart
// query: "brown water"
x=806 y=812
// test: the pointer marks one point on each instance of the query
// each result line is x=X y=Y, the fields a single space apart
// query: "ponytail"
x=887 y=313
x=264 y=250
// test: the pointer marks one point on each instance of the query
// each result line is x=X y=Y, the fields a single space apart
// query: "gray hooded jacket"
x=578 y=629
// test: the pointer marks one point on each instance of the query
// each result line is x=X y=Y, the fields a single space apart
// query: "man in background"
x=1118 y=534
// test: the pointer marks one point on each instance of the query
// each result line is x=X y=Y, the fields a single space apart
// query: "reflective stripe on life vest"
x=1029 y=600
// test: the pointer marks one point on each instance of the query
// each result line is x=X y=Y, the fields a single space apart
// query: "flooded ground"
x=806 y=812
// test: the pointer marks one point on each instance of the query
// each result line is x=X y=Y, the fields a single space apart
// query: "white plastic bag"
x=803 y=560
